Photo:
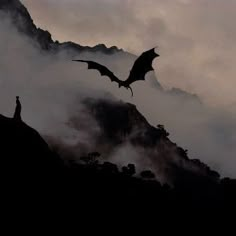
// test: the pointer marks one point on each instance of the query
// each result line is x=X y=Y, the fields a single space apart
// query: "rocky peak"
x=24 y=23
x=21 y=18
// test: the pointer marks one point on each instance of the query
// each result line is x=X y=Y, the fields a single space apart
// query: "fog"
x=52 y=88
x=196 y=39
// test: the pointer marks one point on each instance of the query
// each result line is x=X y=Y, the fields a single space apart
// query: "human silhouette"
x=17 y=114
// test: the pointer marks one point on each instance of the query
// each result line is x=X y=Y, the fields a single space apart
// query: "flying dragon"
x=141 y=66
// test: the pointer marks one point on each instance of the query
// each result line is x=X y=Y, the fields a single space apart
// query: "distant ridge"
x=22 y=19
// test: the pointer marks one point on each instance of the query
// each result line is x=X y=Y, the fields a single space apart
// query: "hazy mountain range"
x=54 y=172
x=120 y=125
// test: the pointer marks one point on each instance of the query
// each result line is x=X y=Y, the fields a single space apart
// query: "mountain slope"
x=121 y=123
x=42 y=39
x=24 y=153
x=38 y=183
x=23 y=21
x=35 y=181
x=124 y=120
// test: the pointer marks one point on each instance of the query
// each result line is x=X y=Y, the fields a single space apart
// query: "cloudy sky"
x=196 y=38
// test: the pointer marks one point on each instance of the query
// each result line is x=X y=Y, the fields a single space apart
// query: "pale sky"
x=196 y=38
x=196 y=41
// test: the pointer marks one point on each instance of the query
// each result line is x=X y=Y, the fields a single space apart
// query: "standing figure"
x=17 y=114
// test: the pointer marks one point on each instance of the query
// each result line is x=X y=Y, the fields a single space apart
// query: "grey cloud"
x=195 y=38
x=197 y=54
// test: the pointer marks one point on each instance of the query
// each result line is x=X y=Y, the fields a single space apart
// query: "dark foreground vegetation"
x=36 y=181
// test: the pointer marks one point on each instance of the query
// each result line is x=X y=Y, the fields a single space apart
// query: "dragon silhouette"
x=141 y=67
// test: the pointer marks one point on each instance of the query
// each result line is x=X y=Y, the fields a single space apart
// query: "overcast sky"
x=196 y=38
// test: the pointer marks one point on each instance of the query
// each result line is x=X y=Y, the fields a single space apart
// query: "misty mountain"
x=54 y=176
x=120 y=124
x=36 y=181
x=43 y=39
x=23 y=21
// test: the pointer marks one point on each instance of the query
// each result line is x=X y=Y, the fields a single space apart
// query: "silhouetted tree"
x=162 y=130
x=110 y=168
x=94 y=155
x=147 y=174
x=129 y=170
x=183 y=152
x=91 y=158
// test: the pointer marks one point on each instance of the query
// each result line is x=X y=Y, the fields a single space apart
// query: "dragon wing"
x=141 y=66
x=104 y=71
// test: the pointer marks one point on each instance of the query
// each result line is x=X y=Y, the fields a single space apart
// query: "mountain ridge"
x=146 y=136
x=22 y=19
x=126 y=124
x=38 y=181
x=25 y=24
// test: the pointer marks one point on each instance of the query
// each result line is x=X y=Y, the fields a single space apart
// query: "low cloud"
x=196 y=38
x=52 y=87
